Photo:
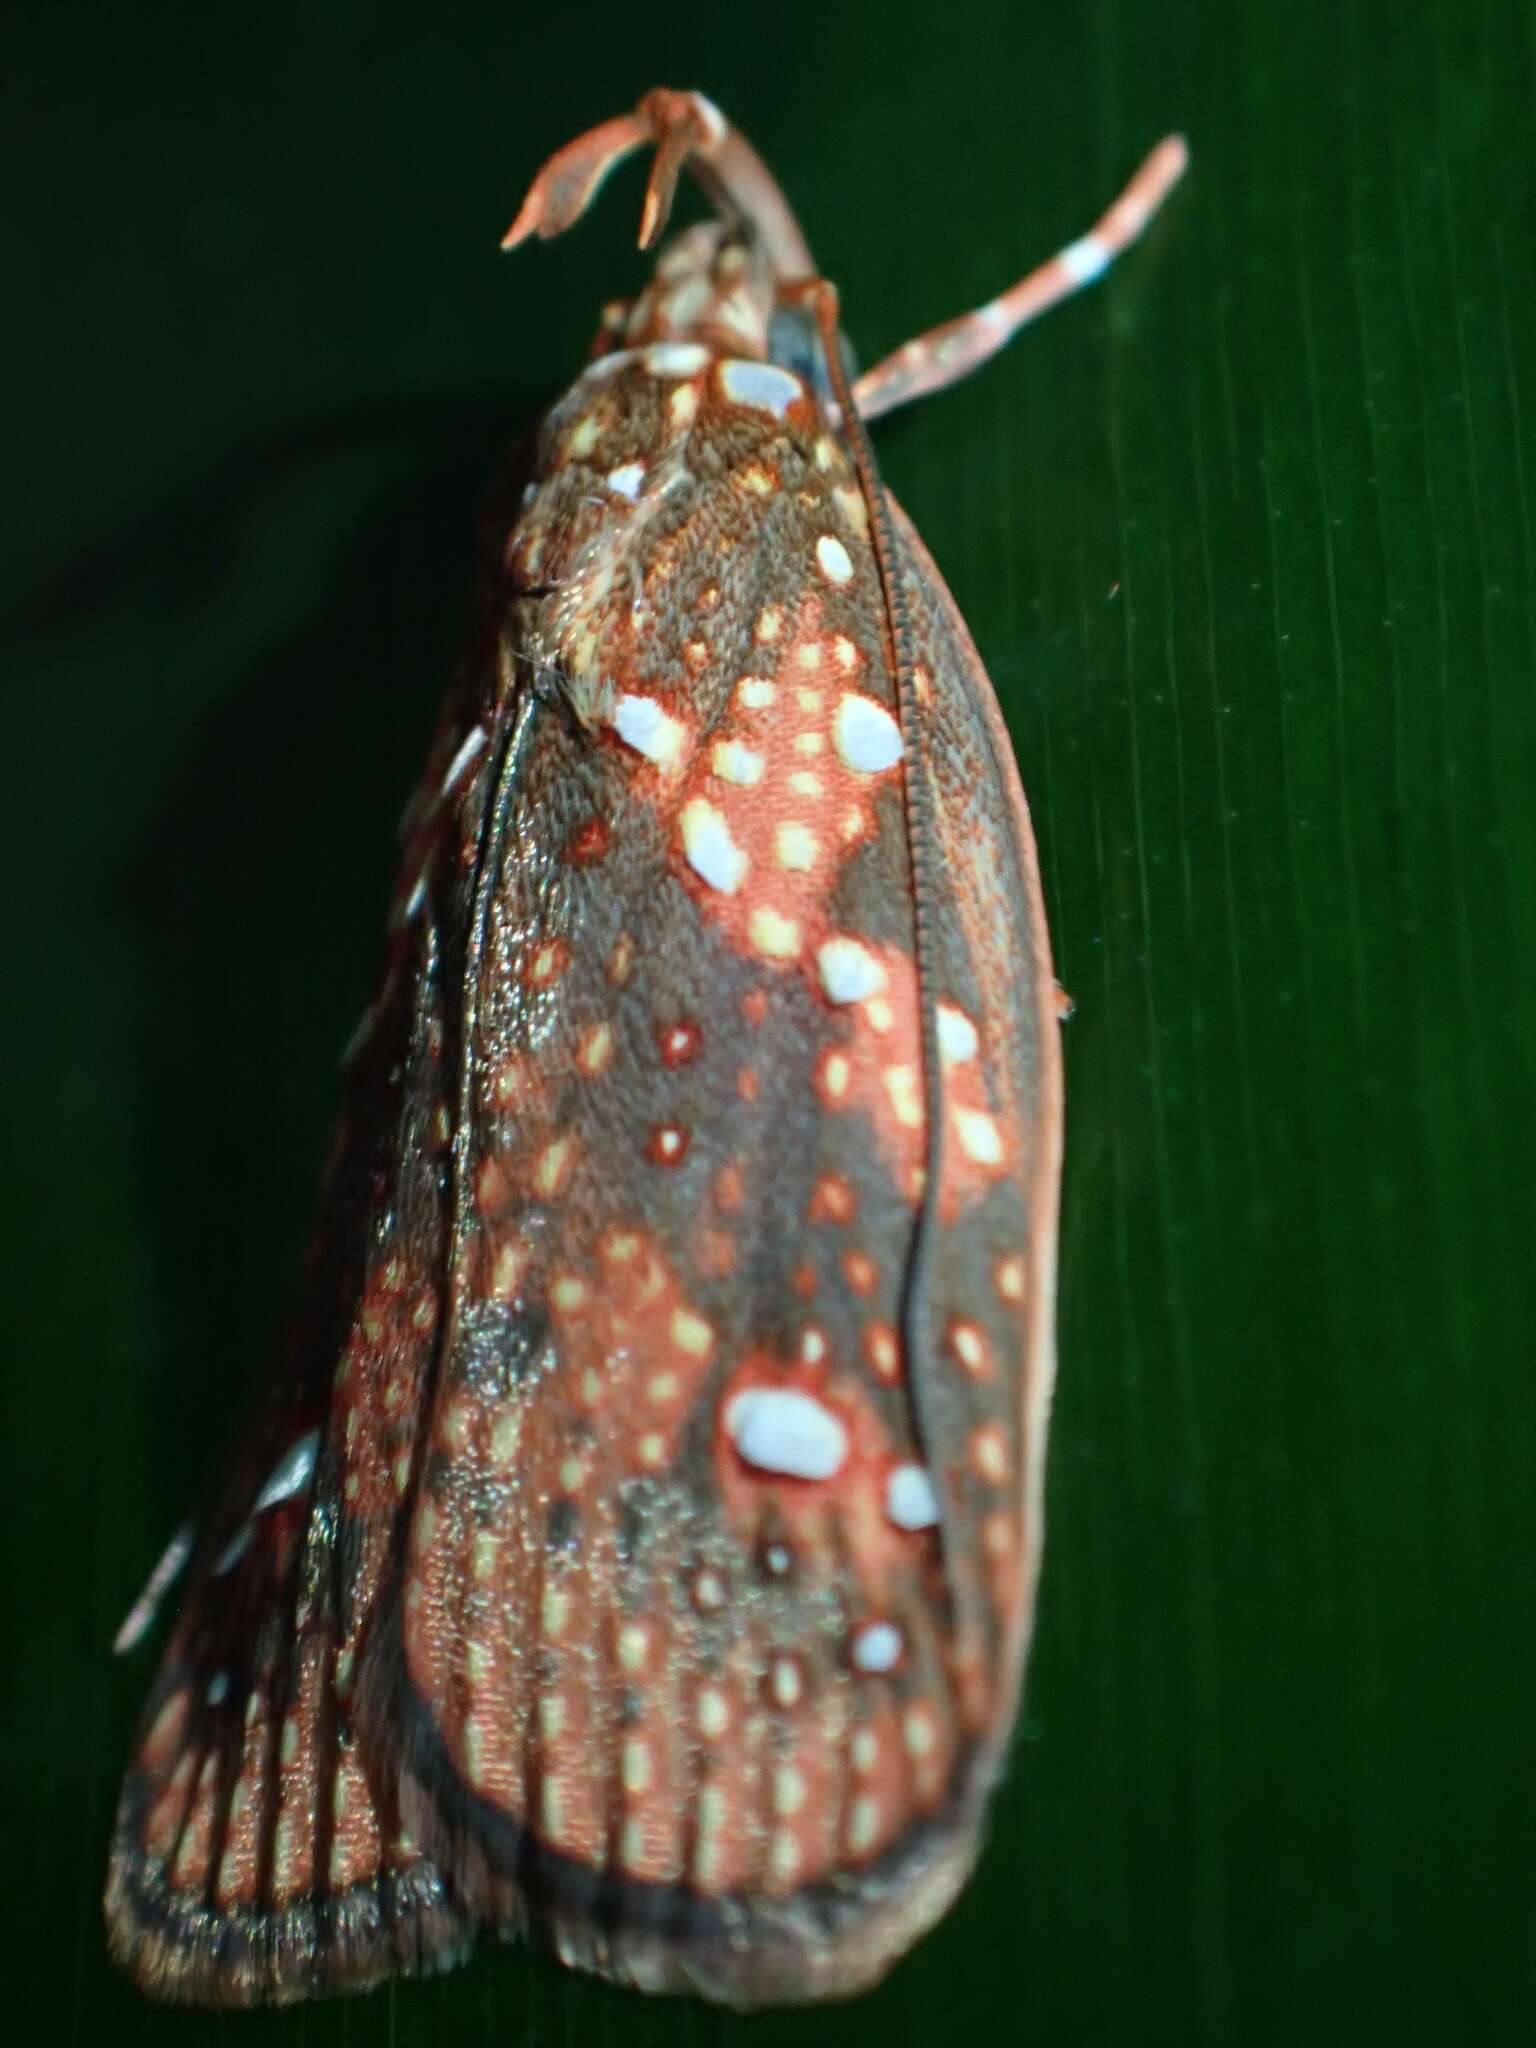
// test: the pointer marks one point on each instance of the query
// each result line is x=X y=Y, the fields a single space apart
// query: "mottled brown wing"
x=714 y=1599
x=257 y=1854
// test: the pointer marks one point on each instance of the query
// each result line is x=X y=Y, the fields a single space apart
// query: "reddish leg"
x=952 y=351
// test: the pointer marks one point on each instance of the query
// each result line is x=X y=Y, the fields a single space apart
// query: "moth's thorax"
x=711 y=286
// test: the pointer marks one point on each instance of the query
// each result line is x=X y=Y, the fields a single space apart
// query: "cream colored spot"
x=551 y=1716
x=552 y=1807
x=596 y=1050
x=627 y=479
x=979 y=1137
x=774 y=935
x=568 y=1293
x=651 y=1449
x=826 y=454
x=709 y=1590
x=808 y=656
x=835 y=1075
x=573 y=1473
x=683 y=404
x=691 y=1333
x=989 y=1454
x=809 y=743
x=1009 y=1275
x=808 y=699
x=803 y=783
x=506 y=1437
x=832 y=559
x=634 y=1646
x=709 y=848
x=714 y=1713
x=847 y=655
x=770 y=623
x=785 y=1855
x=753 y=477
x=733 y=762
x=756 y=692
x=850 y=502
x=813 y=1345
x=866 y=1750
x=554 y=1612
x=969 y=1344
x=664 y=1387
x=796 y=847
x=863 y=1823
x=884 y=1352
x=635 y=1768
x=917 y=1731
x=906 y=1097
x=474 y=1752
x=879 y=1013
x=784 y=1683
x=484 y=1552
x=583 y=436
x=632 y=1843
x=554 y=1166
x=788 y=1791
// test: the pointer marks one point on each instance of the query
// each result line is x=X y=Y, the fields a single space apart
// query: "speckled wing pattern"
x=256 y=1855
x=683 y=1677
x=637 y=1548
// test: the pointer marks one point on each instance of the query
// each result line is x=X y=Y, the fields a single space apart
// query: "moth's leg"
x=947 y=353
x=684 y=127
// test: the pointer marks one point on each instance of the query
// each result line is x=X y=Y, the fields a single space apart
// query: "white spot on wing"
x=779 y=1429
x=832 y=559
x=643 y=724
x=957 y=1034
x=761 y=384
x=910 y=1500
x=733 y=762
x=469 y=746
x=866 y=736
x=877 y=1647
x=979 y=1137
x=293 y=1473
x=627 y=479
x=709 y=848
x=849 y=972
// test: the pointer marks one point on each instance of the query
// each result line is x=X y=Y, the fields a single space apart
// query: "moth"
x=635 y=1546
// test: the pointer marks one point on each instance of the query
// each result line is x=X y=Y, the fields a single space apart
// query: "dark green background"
x=1247 y=541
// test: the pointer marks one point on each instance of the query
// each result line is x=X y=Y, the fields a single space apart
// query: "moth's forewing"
x=675 y=1676
x=257 y=1855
